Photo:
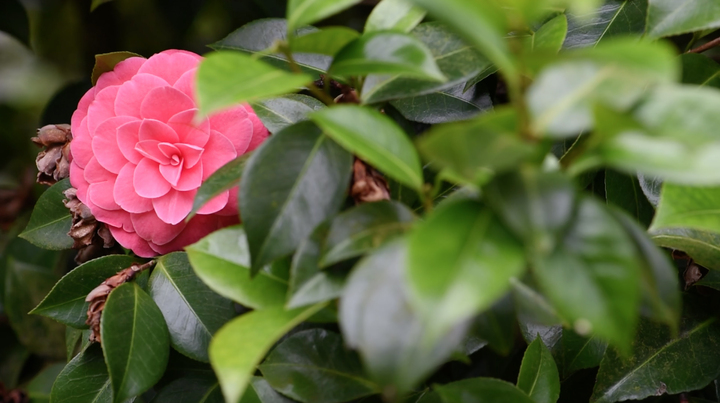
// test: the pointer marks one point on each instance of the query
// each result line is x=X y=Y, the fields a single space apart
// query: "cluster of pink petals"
x=138 y=158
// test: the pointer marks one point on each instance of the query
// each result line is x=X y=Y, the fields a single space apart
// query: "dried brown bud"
x=368 y=184
x=693 y=273
x=53 y=163
x=12 y=395
x=90 y=235
x=98 y=296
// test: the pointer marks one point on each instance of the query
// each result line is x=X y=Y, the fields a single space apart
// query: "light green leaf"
x=281 y=112
x=702 y=246
x=688 y=207
x=550 y=37
x=670 y=17
x=539 y=376
x=303 y=12
x=395 y=15
x=326 y=41
x=50 y=220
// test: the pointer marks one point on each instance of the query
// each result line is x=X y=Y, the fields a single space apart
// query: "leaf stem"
x=714 y=43
x=320 y=94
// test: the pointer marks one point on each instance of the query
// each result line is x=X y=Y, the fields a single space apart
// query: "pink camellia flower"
x=138 y=157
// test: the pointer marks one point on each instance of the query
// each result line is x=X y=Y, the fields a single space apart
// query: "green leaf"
x=226 y=78
x=598 y=258
x=106 y=62
x=711 y=279
x=192 y=311
x=668 y=17
x=482 y=24
x=84 y=379
x=615 y=17
x=303 y=12
x=386 y=52
x=539 y=376
x=448 y=105
x=363 y=228
x=376 y=317
x=531 y=306
x=225 y=178
x=96 y=3
x=262 y=34
x=39 y=388
x=651 y=188
x=326 y=41
x=395 y=15
x=50 y=220
x=260 y=391
x=375 y=138
x=190 y=390
x=481 y=390
x=550 y=37
x=688 y=207
x=278 y=216
x=281 y=112
x=14 y=21
x=72 y=337
x=615 y=73
x=239 y=346
x=453 y=261
x=12 y=357
x=314 y=366
x=66 y=301
x=579 y=352
x=660 y=362
x=700 y=70
x=496 y=326
x=455 y=59
x=624 y=191
x=222 y=261
x=135 y=341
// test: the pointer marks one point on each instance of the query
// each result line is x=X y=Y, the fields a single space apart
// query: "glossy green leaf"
x=624 y=191
x=66 y=301
x=326 y=41
x=38 y=389
x=50 y=220
x=579 y=352
x=453 y=261
x=651 y=188
x=496 y=326
x=259 y=35
x=190 y=390
x=613 y=18
x=386 y=52
x=550 y=37
x=375 y=138
x=226 y=78
x=660 y=362
x=14 y=20
x=192 y=311
x=539 y=376
x=702 y=246
x=532 y=306
x=481 y=390
x=314 y=366
x=106 y=62
x=225 y=178
x=260 y=391
x=281 y=112
x=376 y=318
x=448 y=105
x=364 y=228
x=135 y=341
x=668 y=17
x=72 y=337
x=599 y=259
x=84 y=379
x=551 y=335
x=280 y=203
x=700 y=70
x=455 y=59
x=240 y=345
x=303 y=12
x=711 y=279
x=222 y=261
x=688 y=207
x=395 y=15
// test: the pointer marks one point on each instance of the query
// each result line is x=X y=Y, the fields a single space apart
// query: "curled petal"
x=215 y=204
x=152 y=129
x=191 y=154
x=125 y=195
x=174 y=206
x=163 y=102
x=151 y=149
x=170 y=66
x=190 y=178
x=130 y=240
x=188 y=133
x=148 y=181
x=131 y=94
x=172 y=173
x=105 y=144
x=152 y=228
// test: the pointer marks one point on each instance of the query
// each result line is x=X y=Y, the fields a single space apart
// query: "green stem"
x=320 y=94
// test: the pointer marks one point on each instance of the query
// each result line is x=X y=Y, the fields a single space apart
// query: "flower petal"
x=105 y=146
x=170 y=66
x=186 y=83
x=81 y=111
x=260 y=132
x=122 y=72
x=131 y=94
x=149 y=149
x=190 y=178
x=171 y=173
x=174 y=206
x=191 y=154
x=236 y=126
x=78 y=181
x=163 y=102
x=231 y=208
x=125 y=195
x=199 y=227
x=148 y=226
x=152 y=129
x=81 y=145
x=188 y=133
x=132 y=241
x=95 y=173
x=147 y=180
x=102 y=108
x=127 y=138
x=215 y=204
x=218 y=152
x=101 y=194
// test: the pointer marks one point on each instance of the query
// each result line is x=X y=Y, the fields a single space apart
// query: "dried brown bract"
x=98 y=296
x=12 y=395
x=368 y=184
x=91 y=236
x=53 y=163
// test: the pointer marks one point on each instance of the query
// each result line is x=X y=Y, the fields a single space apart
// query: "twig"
x=320 y=94
x=715 y=42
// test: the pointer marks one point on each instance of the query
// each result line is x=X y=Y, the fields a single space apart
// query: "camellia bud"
x=53 y=162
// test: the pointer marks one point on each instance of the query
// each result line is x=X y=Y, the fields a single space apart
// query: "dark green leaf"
x=448 y=105
x=106 y=62
x=72 y=337
x=226 y=78
x=454 y=258
x=66 y=301
x=281 y=112
x=364 y=228
x=579 y=352
x=326 y=41
x=239 y=346
x=386 y=52
x=227 y=177
x=624 y=191
x=192 y=311
x=456 y=60
x=533 y=307
x=303 y=12
x=482 y=390
x=135 y=341
x=539 y=376
x=190 y=390
x=702 y=246
x=615 y=17
x=84 y=379
x=496 y=326
x=14 y=20
x=260 y=391
x=700 y=70
x=668 y=17
x=222 y=261
x=39 y=388
x=395 y=15
x=280 y=203
x=313 y=366
x=12 y=357
x=711 y=279
x=599 y=259
x=377 y=319
x=551 y=336
x=262 y=34
x=651 y=188
x=50 y=220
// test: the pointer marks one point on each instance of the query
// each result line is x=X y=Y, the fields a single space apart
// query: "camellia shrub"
x=463 y=202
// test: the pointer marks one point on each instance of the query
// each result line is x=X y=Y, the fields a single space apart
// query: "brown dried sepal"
x=98 y=296
x=89 y=235
x=12 y=395
x=368 y=184
x=53 y=163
